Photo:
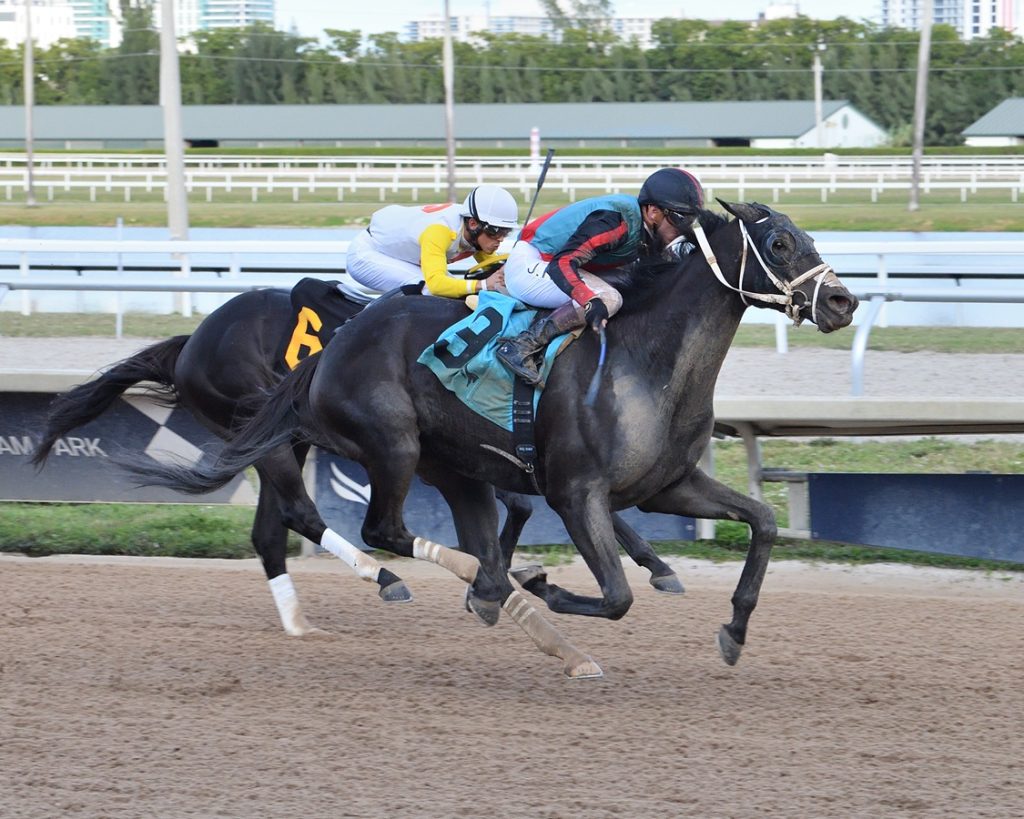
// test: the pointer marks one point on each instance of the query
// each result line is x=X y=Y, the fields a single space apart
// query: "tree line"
x=872 y=67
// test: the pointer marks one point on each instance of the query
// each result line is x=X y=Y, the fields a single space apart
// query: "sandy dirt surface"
x=748 y=371
x=139 y=687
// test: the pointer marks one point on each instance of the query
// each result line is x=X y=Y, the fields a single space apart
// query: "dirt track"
x=165 y=688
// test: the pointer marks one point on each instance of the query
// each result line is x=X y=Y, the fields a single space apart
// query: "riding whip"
x=595 y=381
x=540 y=184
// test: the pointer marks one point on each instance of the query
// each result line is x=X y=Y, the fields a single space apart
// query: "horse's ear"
x=751 y=212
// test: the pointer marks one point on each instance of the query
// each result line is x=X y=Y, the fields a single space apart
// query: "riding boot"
x=518 y=353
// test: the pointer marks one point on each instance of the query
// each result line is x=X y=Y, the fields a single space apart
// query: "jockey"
x=559 y=257
x=405 y=245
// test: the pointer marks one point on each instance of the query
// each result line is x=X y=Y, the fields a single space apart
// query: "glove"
x=595 y=312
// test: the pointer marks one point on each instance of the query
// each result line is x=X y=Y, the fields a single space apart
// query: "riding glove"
x=596 y=313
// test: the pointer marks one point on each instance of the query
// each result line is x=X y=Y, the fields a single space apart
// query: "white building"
x=971 y=18
x=51 y=20
x=197 y=15
x=463 y=27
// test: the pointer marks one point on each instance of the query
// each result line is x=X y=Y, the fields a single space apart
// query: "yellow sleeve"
x=434 y=244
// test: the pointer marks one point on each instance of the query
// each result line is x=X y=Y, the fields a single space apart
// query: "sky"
x=310 y=17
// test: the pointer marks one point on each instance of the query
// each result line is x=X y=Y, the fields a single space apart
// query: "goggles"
x=680 y=220
x=496 y=232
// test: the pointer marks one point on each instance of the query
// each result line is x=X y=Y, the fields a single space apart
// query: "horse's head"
x=806 y=287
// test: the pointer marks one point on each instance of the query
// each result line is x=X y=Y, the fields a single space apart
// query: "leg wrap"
x=545 y=636
x=287 y=603
x=366 y=567
x=460 y=564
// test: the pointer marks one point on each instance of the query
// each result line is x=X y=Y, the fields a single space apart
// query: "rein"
x=821 y=273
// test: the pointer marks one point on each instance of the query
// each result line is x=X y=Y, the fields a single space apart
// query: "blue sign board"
x=977 y=515
x=342 y=494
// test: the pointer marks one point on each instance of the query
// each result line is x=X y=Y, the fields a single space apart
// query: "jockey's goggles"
x=679 y=219
x=496 y=232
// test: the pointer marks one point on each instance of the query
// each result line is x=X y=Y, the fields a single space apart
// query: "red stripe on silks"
x=581 y=294
x=530 y=230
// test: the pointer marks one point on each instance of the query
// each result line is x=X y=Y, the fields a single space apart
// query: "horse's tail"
x=86 y=402
x=275 y=423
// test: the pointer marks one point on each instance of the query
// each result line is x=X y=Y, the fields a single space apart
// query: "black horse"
x=366 y=398
x=235 y=354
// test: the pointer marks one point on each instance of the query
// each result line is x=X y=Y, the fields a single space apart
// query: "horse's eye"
x=778 y=245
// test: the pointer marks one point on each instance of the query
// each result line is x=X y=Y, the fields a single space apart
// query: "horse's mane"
x=647 y=278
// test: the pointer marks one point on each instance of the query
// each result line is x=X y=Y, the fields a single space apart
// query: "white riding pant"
x=372 y=268
x=526 y=279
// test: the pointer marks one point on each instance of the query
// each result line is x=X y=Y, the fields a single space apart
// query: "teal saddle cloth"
x=463 y=356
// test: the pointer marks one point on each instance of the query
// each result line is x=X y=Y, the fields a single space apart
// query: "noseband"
x=822 y=274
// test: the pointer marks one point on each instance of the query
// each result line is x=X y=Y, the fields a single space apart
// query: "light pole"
x=29 y=98
x=920 y=103
x=449 y=101
x=174 y=142
x=818 y=105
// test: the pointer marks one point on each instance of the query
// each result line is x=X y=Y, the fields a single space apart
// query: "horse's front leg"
x=699 y=496
x=662 y=577
x=476 y=522
x=534 y=578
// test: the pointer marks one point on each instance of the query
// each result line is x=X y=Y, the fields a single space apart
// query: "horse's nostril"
x=842 y=304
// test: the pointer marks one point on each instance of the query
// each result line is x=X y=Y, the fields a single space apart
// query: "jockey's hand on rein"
x=595 y=312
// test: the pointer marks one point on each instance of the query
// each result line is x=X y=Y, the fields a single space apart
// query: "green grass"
x=941 y=211
x=127 y=529
x=1006 y=340
x=222 y=531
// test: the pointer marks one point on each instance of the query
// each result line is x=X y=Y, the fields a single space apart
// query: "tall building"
x=464 y=27
x=51 y=20
x=971 y=18
x=95 y=19
x=195 y=15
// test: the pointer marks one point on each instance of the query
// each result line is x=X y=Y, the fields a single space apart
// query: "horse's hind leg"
x=282 y=470
x=270 y=539
x=519 y=510
x=699 y=496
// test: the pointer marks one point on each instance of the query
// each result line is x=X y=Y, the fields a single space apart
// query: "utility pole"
x=174 y=142
x=818 y=105
x=449 y=101
x=920 y=102
x=29 y=98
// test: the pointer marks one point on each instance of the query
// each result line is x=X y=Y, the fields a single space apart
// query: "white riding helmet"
x=492 y=205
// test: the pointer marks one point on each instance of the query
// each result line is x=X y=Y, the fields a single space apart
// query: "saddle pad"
x=463 y=356
x=320 y=307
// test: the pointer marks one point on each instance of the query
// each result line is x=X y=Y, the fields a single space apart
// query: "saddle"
x=320 y=307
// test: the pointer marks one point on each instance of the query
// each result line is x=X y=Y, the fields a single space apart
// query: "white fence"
x=172 y=262
x=219 y=177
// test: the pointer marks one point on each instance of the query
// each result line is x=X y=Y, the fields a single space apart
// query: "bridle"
x=822 y=274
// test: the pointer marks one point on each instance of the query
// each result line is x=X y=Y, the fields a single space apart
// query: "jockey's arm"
x=434 y=244
x=601 y=231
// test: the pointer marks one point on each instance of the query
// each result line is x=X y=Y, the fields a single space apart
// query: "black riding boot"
x=518 y=353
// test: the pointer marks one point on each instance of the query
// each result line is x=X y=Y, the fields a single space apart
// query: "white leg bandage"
x=366 y=567
x=460 y=564
x=287 y=604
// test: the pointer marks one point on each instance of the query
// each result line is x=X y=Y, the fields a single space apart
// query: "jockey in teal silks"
x=559 y=258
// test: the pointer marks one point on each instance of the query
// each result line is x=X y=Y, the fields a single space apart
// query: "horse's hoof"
x=668 y=584
x=487 y=610
x=728 y=647
x=306 y=630
x=396 y=592
x=583 y=668
x=527 y=573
